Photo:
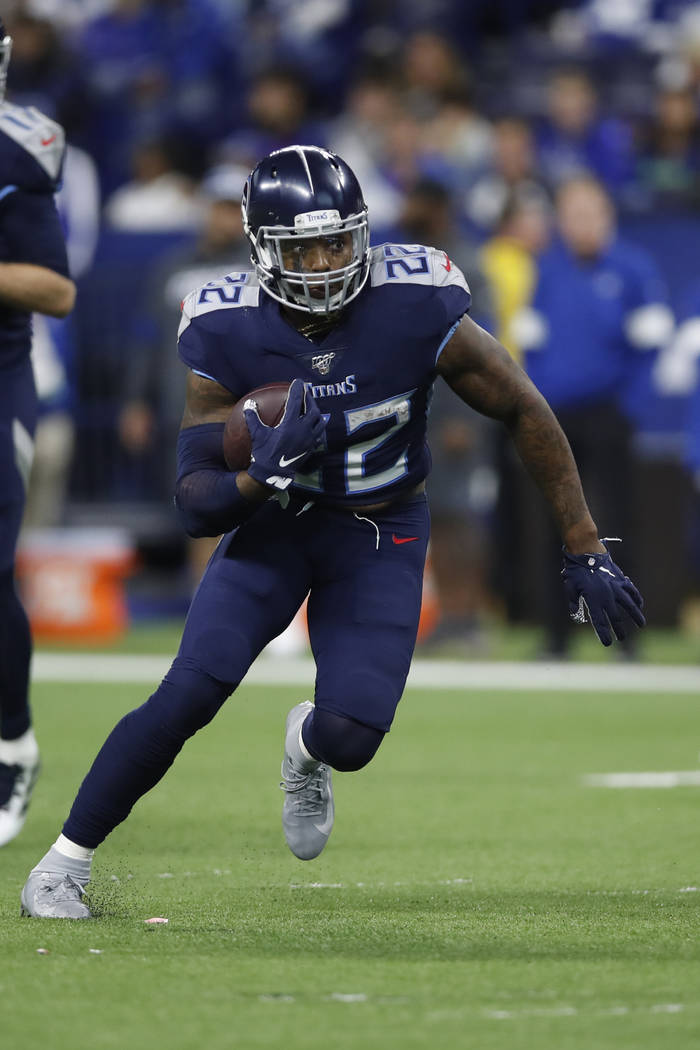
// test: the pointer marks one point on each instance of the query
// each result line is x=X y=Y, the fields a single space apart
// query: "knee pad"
x=342 y=743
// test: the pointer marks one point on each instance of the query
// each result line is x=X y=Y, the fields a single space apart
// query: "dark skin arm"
x=484 y=375
x=209 y=402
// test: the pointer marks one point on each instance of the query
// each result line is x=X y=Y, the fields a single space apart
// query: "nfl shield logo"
x=323 y=362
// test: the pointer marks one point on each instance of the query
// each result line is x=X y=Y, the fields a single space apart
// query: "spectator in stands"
x=437 y=92
x=408 y=157
x=159 y=197
x=278 y=115
x=360 y=133
x=431 y=67
x=459 y=134
x=153 y=378
x=668 y=165
x=509 y=261
x=320 y=40
x=153 y=69
x=575 y=139
x=511 y=171
x=599 y=315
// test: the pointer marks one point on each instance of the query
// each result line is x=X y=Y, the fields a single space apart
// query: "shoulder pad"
x=36 y=162
x=414 y=264
x=225 y=293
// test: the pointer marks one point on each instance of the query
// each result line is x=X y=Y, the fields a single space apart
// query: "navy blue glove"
x=279 y=451
x=598 y=590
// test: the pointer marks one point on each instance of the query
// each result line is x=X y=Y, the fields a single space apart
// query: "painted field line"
x=425 y=674
x=681 y=778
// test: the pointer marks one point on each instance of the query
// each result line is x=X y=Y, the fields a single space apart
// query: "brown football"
x=270 y=400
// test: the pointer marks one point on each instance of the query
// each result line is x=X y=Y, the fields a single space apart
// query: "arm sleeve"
x=206 y=494
x=31 y=231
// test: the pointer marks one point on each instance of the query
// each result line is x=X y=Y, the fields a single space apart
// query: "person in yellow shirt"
x=508 y=261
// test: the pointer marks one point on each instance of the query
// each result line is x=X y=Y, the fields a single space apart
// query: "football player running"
x=333 y=504
x=33 y=277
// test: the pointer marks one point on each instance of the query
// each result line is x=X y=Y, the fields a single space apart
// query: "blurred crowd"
x=552 y=149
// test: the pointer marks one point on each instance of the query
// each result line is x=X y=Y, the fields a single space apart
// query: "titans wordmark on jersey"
x=371 y=376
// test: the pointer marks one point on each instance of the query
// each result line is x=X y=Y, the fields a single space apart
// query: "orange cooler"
x=71 y=582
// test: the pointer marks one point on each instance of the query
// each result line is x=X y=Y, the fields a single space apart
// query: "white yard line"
x=680 y=778
x=425 y=674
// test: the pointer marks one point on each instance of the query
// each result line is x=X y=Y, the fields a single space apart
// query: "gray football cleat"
x=17 y=780
x=54 y=895
x=307 y=814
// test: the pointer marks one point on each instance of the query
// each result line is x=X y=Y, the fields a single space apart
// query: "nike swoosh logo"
x=47 y=142
x=325 y=828
x=447 y=264
x=601 y=569
x=403 y=539
x=284 y=462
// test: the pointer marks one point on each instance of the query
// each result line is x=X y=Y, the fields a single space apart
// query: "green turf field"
x=473 y=894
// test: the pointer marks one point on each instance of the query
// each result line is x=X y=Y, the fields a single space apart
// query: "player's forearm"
x=210 y=502
x=545 y=451
x=210 y=498
x=36 y=288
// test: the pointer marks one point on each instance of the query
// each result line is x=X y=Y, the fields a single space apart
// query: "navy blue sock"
x=341 y=743
x=15 y=654
x=139 y=751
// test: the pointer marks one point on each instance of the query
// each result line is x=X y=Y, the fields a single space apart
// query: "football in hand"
x=270 y=401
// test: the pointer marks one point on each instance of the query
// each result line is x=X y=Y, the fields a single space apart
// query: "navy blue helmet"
x=304 y=192
x=5 y=49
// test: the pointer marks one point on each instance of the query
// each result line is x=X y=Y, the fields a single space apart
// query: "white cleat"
x=19 y=770
x=307 y=814
x=54 y=895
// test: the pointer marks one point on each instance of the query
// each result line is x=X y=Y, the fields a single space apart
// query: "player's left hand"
x=599 y=591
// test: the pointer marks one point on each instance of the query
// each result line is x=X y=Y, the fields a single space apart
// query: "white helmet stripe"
x=305 y=162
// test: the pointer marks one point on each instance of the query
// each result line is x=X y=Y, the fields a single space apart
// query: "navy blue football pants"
x=18 y=414
x=363 y=576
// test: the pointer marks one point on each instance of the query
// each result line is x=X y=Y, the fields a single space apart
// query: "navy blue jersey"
x=31 y=156
x=371 y=376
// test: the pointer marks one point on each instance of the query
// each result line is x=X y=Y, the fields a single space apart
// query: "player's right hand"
x=279 y=451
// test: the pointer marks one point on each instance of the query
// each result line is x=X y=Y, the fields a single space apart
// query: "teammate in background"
x=333 y=503
x=33 y=277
